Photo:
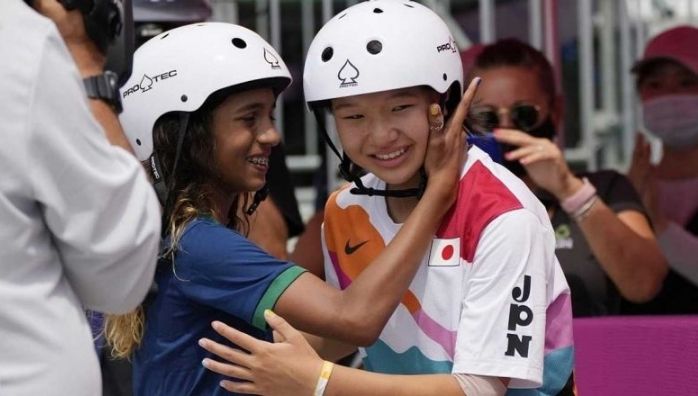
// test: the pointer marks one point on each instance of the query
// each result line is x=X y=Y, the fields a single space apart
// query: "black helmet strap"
x=164 y=187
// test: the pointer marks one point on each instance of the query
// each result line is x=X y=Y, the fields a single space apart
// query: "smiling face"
x=244 y=133
x=386 y=133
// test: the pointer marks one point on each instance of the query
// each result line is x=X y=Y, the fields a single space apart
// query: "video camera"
x=109 y=24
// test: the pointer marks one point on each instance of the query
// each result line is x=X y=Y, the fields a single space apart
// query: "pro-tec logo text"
x=450 y=46
x=147 y=82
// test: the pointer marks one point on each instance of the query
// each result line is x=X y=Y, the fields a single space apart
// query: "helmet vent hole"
x=327 y=54
x=184 y=98
x=408 y=5
x=342 y=16
x=445 y=77
x=374 y=47
x=165 y=35
x=239 y=43
x=377 y=11
x=138 y=142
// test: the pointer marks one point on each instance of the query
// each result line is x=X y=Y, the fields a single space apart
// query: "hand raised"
x=446 y=150
x=543 y=161
x=640 y=168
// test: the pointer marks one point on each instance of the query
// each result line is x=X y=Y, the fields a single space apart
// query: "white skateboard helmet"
x=377 y=46
x=381 y=45
x=179 y=69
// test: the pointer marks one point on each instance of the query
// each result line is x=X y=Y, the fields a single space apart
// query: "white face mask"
x=673 y=119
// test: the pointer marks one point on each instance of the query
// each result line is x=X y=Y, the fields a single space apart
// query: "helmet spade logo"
x=271 y=59
x=348 y=75
x=146 y=83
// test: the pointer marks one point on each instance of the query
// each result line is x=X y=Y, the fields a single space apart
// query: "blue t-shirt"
x=217 y=275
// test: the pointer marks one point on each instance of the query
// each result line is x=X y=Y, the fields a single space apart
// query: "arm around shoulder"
x=358 y=313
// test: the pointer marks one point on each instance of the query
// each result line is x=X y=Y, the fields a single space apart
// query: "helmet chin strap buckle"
x=259 y=196
x=360 y=189
x=407 y=193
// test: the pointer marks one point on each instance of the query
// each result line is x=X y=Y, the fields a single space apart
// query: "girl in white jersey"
x=489 y=308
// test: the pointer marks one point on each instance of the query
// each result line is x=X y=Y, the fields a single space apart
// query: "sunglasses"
x=486 y=118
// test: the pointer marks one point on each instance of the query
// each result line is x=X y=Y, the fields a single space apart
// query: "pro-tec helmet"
x=377 y=46
x=381 y=45
x=179 y=69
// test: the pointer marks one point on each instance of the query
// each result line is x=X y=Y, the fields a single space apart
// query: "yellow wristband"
x=324 y=377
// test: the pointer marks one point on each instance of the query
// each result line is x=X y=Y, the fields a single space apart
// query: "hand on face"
x=446 y=148
x=543 y=161
x=289 y=366
x=640 y=164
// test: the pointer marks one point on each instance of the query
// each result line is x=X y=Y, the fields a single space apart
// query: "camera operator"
x=80 y=221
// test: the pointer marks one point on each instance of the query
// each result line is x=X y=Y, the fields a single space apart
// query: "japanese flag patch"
x=444 y=252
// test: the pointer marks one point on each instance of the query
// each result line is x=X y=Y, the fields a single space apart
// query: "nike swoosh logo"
x=348 y=249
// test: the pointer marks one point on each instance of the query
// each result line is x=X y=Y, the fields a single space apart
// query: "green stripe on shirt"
x=275 y=290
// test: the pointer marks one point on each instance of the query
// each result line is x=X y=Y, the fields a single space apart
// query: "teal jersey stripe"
x=382 y=359
x=557 y=368
x=275 y=290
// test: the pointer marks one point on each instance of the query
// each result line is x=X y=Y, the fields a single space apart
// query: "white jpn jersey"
x=490 y=297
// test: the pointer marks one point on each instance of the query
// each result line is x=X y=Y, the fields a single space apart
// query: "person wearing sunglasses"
x=604 y=240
